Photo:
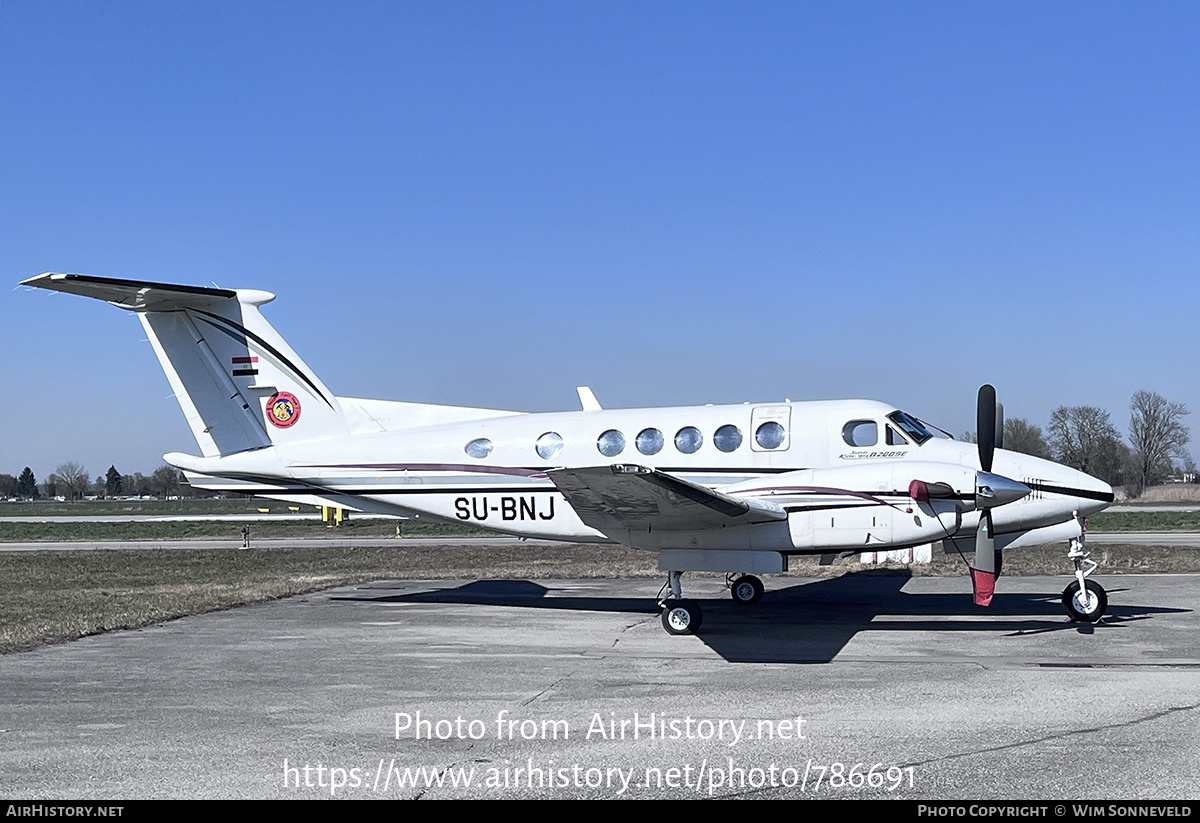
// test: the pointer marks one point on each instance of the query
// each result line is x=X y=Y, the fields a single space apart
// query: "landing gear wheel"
x=746 y=590
x=1085 y=606
x=681 y=617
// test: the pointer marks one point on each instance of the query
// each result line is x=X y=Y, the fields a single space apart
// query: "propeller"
x=989 y=432
x=991 y=490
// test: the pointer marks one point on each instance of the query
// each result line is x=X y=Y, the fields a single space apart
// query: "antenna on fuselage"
x=587 y=399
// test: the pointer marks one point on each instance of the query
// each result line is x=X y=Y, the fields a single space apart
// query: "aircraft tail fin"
x=240 y=385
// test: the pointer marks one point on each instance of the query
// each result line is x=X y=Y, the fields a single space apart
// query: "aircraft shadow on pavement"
x=810 y=621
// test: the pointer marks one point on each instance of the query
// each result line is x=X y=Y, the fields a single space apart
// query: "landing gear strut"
x=1085 y=600
x=679 y=616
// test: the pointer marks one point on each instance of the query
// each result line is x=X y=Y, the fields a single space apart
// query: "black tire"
x=1081 y=611
x=746 y=590
x=681 y=617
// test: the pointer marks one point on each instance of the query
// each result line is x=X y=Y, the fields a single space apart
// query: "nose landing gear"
x=1085 y=600
x=1086 y=605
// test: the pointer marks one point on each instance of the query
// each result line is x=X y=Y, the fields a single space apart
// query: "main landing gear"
x=746 y=590
x=1085 y=600
x=679 y=616
x=682 y=616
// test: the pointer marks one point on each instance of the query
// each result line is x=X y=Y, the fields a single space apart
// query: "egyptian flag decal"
x=245 y=366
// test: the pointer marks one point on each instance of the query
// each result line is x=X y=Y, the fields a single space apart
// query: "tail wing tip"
x=39 y=279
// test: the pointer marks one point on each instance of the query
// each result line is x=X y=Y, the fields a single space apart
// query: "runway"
x=572 y=689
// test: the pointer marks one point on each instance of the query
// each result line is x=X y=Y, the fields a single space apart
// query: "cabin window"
x=861 y=433
x=769 y=435
x=480 y=447
x=728 y=438
x=688 y=439
x=611 y=443
x=649 y=441
x=548 y=445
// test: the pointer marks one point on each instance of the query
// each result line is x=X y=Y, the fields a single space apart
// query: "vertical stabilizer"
x=239 y=383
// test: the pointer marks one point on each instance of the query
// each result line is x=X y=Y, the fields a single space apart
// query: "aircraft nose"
x=1075 y=490
x=1092 y=493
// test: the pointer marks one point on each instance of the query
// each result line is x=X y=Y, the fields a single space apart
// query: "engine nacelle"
x=867 y=507
x=872 y=527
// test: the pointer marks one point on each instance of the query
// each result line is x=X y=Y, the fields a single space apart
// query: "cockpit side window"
x=861 y=433
x=895 y=438
x=911 y=427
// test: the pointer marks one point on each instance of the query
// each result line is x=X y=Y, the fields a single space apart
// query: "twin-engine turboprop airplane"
x=735 y=489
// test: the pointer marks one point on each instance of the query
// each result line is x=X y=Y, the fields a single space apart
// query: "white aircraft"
x=735 y=489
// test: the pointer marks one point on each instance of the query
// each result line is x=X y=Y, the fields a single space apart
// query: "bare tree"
x=1022 y=436
x=1084 y=438
x=1158 y=436
x=135 y=484
x=73 y=477
x=166 y=481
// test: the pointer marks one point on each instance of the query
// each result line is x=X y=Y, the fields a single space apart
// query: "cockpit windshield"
x=911 y=426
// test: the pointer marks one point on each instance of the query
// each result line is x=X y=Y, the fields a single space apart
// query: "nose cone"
x=1074 y=490
x=1094 y=494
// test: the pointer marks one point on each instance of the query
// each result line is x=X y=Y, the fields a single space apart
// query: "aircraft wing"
x=640 y=498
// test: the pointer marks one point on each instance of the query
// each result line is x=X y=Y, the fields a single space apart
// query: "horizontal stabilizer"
x=135 y=295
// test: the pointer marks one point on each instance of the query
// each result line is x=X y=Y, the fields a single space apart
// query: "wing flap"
x=621 y=497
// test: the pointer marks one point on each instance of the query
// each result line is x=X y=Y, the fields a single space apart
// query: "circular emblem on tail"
x=283 y=410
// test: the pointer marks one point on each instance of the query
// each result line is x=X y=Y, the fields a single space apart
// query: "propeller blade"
x=985 y=545
x=999 y=425
x=983 y=573
x=985 y=425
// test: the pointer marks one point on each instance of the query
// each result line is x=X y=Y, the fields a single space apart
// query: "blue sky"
x=490 y=203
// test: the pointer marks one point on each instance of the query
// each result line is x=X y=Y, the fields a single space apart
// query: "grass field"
x=1145 y=522
x=53 y=596
x=213 y=505
x=216 y=529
